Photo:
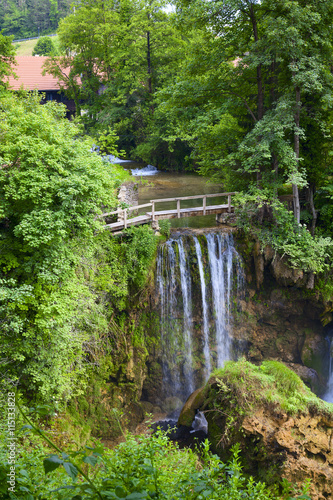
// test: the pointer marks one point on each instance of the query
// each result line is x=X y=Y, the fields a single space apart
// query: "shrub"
x=44 y=47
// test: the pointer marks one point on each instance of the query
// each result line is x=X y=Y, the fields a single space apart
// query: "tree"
x=124 y=53
x=274 y=61
x=25 y=18
x=51 y=188
x=44 y=47
x=7 y=58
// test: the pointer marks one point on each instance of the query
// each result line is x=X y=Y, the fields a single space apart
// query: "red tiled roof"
x=29 y=71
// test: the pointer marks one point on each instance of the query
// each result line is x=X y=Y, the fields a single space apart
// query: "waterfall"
x=328 y=396
x=204 y=309
x=198 y=279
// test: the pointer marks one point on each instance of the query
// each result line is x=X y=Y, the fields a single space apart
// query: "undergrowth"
x=142 y=467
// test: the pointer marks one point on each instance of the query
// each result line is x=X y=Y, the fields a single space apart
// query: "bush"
x=44 y=47
x=140 y=468
x=274 y=225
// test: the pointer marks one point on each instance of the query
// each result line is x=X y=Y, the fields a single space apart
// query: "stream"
x=155 y=184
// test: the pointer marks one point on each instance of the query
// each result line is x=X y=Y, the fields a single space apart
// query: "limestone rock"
x=259 y=264
x=306 y=443
x=274 y=444
x=285 y=275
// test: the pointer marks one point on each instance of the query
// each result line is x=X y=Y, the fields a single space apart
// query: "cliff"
x=284 y=430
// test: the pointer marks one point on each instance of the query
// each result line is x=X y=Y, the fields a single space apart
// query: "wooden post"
x=204 y=205
x=153 y=210
x=229 y=203
x=178 y=209
x=125 y=218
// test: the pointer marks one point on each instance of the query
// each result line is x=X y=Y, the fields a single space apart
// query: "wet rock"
x=195 y=400
x=259 y=264
x=314 y=353
x=269 y=254
x=285 y=275
x=147 y=407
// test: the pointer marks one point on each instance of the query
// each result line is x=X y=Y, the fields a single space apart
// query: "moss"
x=244 y=387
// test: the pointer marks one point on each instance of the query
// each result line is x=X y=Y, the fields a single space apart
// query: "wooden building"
x=29 y=70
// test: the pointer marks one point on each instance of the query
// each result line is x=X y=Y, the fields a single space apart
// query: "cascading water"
x=328 y=396
x=198 y=276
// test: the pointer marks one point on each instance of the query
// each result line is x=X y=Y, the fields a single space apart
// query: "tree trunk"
x=260 y=89
x=311 y=190
x=150 y=88
x=297 y=209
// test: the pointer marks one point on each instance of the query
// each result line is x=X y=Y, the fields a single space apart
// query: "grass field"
x=26 y=48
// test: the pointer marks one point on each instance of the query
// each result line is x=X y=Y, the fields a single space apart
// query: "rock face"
x=304 y=446
x=242 y=406
x=279 y=319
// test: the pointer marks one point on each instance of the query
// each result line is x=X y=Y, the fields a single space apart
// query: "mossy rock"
x=193 y=403
x=314 y=353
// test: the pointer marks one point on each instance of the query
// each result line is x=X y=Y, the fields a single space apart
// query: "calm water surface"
x=172 y=185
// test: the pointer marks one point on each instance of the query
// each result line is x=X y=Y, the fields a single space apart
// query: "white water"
x=166 y=281
x=328 y=396
x=185 y=280
x=220 y=258
x=148 y=170
x=196 y=334
x=206 y=351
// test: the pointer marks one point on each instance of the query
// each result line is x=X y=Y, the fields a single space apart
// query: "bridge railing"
x=124 y=212
x=204 y=197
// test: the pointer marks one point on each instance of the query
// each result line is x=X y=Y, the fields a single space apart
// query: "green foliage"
x=131 y=48
x=140 y=248
x=107 y=141
x=7 y=53
x=141 y=467
x=165 y=226
x=280 y=230
x=51 y=188
x=44 y=47
x=28 y=18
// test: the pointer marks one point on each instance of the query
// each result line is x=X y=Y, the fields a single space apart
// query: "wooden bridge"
x=125 y=220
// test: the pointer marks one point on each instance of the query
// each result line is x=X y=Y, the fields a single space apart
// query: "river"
x=156 y=184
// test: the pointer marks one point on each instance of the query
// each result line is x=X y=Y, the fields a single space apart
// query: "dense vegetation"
x=29 y=18
x=140 y=468
x=239 y=90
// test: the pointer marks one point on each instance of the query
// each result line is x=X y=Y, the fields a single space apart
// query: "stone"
x=192 y=404
x=259 y=264
x=314 y=353
x=146 y=406
x=285 y=275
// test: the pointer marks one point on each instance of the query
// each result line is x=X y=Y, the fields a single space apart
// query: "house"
x=29 y=70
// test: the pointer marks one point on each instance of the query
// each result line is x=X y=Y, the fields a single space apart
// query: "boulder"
x=284 y=431
x=171 y=404
x=193 y=403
